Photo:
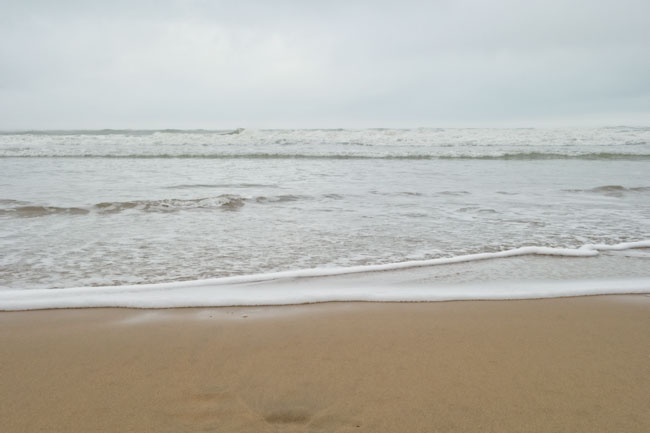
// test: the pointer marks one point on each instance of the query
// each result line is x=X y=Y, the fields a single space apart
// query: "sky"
x=304 y=64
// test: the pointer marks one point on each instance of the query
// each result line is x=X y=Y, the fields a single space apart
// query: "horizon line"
x=241 y=129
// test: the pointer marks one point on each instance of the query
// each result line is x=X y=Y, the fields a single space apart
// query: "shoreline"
x=274 y=307
x=562 y=364
x=528 y=272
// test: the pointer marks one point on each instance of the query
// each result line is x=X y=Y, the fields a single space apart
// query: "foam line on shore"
x=250 y=290
x=259 y=295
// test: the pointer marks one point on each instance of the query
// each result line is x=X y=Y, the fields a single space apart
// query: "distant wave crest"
x=411 y=144
x=524 y=156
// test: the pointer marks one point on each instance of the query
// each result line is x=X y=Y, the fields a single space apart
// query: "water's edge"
x=317 y=285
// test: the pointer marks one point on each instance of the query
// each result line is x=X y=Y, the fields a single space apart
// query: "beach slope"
x=561 y=365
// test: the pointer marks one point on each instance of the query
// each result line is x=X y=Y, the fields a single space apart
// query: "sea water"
x=170 y=217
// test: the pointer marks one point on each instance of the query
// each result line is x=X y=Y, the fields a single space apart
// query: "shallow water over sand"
x=132 y=207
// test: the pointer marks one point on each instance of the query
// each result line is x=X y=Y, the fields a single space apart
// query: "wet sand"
x=555 y=365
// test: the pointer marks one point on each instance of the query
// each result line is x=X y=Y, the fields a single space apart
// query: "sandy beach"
x=560 y=365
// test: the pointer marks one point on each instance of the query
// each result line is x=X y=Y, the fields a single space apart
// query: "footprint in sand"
x=288 y=416
x=220 y=410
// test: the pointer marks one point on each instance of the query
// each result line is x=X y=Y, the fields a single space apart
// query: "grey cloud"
x=95 y=64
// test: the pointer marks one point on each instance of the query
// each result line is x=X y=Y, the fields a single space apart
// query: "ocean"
x=246 y=217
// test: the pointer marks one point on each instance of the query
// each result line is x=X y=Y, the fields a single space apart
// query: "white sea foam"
x=313 y=285
x=419 y=143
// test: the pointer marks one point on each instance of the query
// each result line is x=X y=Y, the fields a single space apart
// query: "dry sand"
x=559 y=365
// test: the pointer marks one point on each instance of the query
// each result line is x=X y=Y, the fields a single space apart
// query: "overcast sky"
x=223 y=64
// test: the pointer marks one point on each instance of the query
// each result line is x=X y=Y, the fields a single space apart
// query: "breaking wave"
x=612 y=190
x=39 y=211
x=224 y=202
x=410 y=144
